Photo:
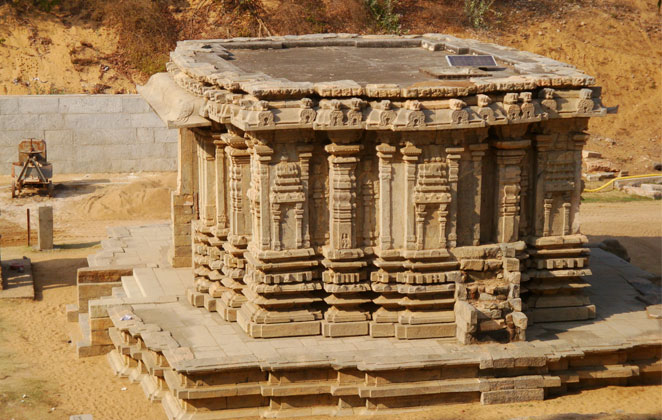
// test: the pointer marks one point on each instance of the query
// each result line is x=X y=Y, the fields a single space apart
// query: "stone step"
x=84 y=325
x=148 y=282
x=150 y=388
x=170 y=281
x=131 y=288
x=118 y=293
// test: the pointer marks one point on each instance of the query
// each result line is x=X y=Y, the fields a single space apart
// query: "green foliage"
x=148 y=32
x=476 y=11
x=46 y=5
x=383 y=11
x=43 y=5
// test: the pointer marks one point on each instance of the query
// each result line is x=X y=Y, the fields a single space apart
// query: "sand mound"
x=144 y=199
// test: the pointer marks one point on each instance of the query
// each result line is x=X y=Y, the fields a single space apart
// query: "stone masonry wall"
x=88 y=133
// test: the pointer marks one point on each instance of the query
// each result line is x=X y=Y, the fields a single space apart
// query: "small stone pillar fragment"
x=45 y=231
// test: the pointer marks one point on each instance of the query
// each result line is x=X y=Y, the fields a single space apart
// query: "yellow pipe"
x=611 y=181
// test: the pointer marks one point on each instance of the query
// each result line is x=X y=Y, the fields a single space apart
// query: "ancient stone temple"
x=409 y=187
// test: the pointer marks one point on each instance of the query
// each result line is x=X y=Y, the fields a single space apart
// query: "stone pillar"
x=345 y=277
x=557 y=253
x=182 y=201
x=477 y=154
x=221 y=178
x=410 y=154
x=238 y=234
x=210 y=232
x=382 y=280
x=509 y=157
x=45 y=232
x=385 y=154
x=208 y=239
x=453 y=155
x=209 y=186
x=431 y=206
x=282 y=275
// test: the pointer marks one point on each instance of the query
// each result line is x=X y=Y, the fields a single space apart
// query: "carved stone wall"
x=463 y=233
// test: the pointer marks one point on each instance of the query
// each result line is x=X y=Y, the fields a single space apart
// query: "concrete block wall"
x=88 y=133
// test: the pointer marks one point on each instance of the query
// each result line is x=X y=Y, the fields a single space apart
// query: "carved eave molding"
x=543 y=89
x=250 y=114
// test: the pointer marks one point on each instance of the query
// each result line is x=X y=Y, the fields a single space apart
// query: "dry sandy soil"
x=41 y=378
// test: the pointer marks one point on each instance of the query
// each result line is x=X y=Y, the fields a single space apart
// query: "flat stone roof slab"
x=402 y=66
x=291 y=65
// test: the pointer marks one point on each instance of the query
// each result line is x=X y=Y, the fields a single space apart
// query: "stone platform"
x=202 y=367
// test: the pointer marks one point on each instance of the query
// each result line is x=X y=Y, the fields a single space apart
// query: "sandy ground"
x=84 y=205
x=41 y=378
x=636 y=225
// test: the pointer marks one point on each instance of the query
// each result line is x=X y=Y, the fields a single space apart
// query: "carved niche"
x=431 y=200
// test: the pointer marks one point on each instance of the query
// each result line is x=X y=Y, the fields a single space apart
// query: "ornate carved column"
x=383 y=280
x=222 y=224
x=205 y=245
x=509 y=157
x=557 y=253
x=219 y=231
x=239 y=176
x=282 y=273
x=543 y=211
x=410 y=154
x=345 y=277
x=453 y=163
x=385 y=153
x=209 y=186
x=477 y=154
x=428 y=281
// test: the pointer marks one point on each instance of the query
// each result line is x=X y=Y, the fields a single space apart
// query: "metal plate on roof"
x=471 y=60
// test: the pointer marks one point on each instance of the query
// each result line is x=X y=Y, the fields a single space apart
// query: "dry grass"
x=147 y=32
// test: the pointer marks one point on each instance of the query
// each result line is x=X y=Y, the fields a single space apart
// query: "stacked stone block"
x=88 y=133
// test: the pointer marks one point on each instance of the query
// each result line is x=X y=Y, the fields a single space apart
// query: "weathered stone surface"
x=512 y=396
x=45 y=228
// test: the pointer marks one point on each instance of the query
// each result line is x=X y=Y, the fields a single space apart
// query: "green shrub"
x=43 y=5
x=383 y=11
x=476 y=11
x=148 y=32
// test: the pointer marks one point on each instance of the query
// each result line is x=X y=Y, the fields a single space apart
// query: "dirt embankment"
x=106 y=47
